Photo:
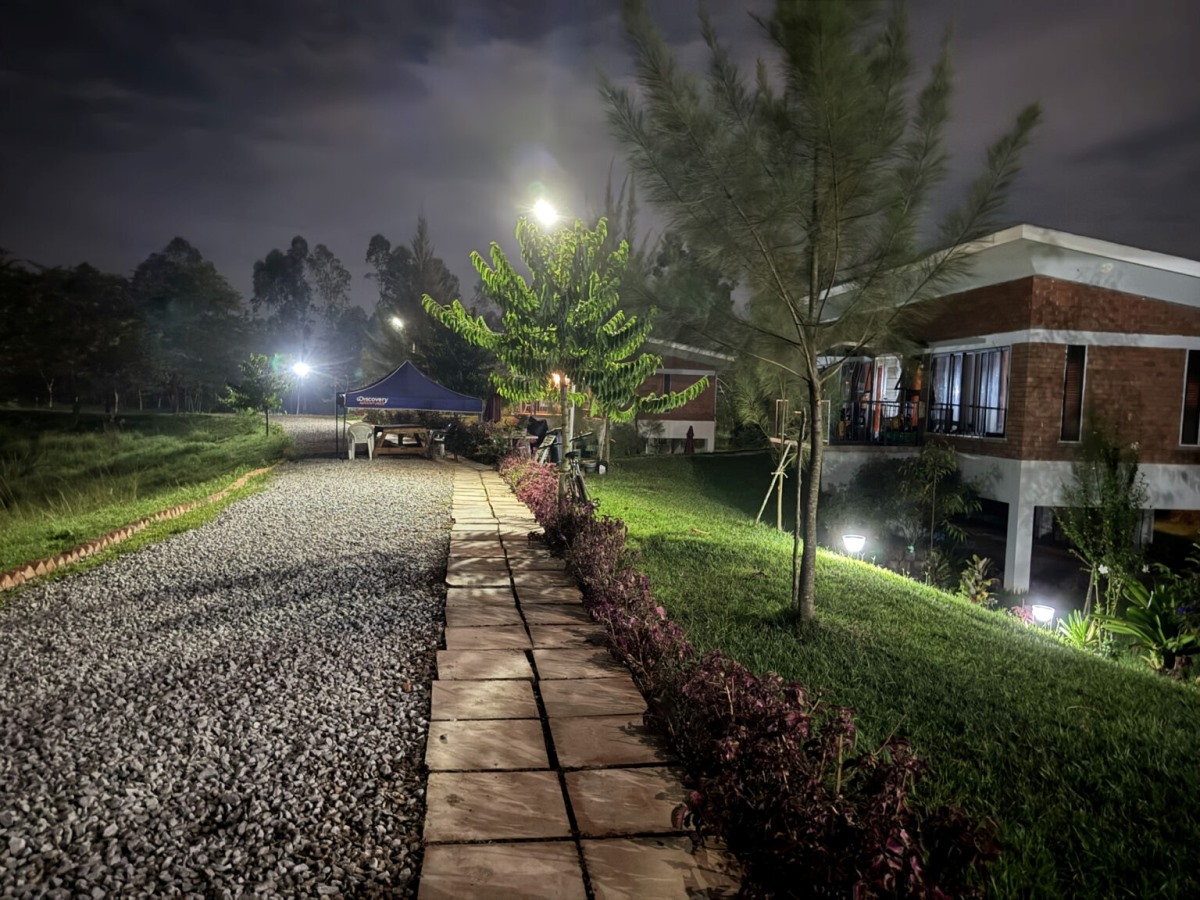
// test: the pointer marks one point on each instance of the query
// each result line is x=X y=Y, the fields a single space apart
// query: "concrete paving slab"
x=524 y=564
x=587 y=741
x=472 y=533
x=625 y=801
x=526 y=550
x=492 y=744
x=494 y=806
x=473 y=596
x=664 y=868
x=529 y=870
x=592 y=697
x=475 y=564
x=555 y=614
x=475 y=665
x=495 y=637
x=491 y=699
x=491 y=576
x=542 y=581
x=571 y=662
x=472 y=614
x=476 y=550
x=550 y=595
x=571 y=635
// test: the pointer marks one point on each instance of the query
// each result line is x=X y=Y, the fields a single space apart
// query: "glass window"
x=969 y=393
x=1072 y=399
x=1191 y=400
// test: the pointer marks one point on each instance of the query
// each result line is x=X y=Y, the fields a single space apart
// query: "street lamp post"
x=302 y=370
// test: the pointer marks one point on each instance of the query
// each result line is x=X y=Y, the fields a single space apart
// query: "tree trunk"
x=267 y=417
x=565 y=431
x=805 y=589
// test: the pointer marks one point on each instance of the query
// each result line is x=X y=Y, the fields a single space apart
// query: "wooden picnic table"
x=402 y=440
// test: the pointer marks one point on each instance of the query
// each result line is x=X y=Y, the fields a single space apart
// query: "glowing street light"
x=303 y=370
x=544 y=212
x=397 y=323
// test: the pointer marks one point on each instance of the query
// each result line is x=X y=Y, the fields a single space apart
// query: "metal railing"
x=875 y=422
x=967 y=420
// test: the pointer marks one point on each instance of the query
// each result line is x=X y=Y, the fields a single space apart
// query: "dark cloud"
x=241 y=124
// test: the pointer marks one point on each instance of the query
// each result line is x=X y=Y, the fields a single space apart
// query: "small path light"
x=1042 y=614
x=854 y=543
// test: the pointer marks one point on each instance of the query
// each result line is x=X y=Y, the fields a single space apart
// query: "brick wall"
x=1039 y=302
x=1082 y=307
x=703 y=407
x=985 y=310
x=1138 y=389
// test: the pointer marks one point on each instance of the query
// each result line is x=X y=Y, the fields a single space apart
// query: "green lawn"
x=64 y=481
x=1090 y=770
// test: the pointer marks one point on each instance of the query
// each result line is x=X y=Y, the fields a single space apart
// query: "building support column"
x=1018 y=549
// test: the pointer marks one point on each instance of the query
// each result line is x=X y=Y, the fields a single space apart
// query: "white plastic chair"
x=361 y=433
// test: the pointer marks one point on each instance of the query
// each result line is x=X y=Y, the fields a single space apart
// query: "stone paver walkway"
x=543 y=781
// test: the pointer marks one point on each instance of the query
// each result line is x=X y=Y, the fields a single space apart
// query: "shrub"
x=976 y=582
x=778 y=777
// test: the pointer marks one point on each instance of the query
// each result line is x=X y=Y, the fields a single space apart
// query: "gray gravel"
x=239 y=710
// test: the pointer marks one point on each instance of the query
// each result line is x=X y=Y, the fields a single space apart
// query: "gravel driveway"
x=239 y=710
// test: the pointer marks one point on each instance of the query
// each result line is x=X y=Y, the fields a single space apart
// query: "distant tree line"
x=173 y=335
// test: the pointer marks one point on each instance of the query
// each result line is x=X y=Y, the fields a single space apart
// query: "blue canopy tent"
x=409 y=388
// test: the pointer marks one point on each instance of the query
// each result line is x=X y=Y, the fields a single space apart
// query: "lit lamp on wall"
x=854 y=543
x=1042 y=614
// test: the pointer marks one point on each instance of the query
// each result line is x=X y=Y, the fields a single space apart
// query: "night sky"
x=240 y=123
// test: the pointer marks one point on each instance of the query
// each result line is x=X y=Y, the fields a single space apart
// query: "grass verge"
x=65 y=480
x=1089 y=769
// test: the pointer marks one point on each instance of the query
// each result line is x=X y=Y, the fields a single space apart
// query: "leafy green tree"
x=261 y=387
x=810 y=193
x=400 y=330
x=195 y=323
x=564 y=321
x=1101 y=513
x=282 y=289
x=306 y=294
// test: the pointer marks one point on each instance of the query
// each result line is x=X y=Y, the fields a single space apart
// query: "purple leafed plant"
x=778 y=777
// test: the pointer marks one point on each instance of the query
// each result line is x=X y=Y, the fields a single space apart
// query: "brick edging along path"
x=543 y=779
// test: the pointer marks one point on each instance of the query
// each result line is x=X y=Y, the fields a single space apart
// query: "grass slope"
x=1089 y=769
x=65 y=480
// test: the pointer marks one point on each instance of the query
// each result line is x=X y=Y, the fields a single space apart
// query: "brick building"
x=1046 y=325
x=681 y=367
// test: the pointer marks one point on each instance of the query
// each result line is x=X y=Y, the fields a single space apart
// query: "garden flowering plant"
x=777 y=776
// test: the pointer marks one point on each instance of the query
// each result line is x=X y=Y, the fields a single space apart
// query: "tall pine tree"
x=809 y=192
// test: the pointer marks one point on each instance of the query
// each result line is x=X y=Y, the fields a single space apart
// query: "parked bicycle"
x=576 y=486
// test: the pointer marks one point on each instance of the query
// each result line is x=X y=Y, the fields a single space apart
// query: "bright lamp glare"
x=1042 y=614
x=545 y=212
x=397 y=323
x=301 y=369
x=854 y=543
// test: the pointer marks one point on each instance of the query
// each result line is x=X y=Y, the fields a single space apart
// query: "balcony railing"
x=875 y=422
x=967 y=420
